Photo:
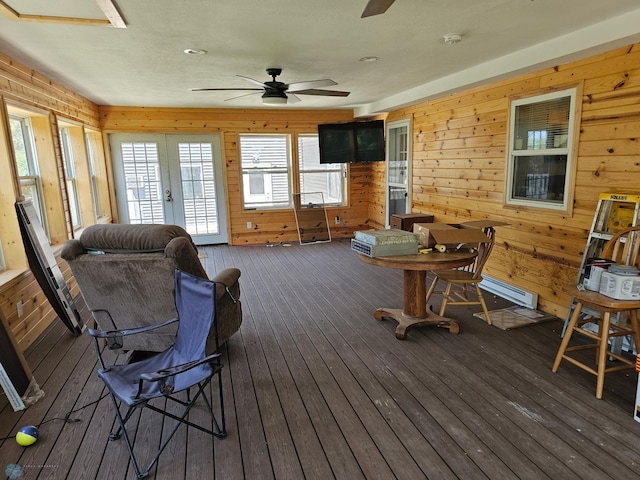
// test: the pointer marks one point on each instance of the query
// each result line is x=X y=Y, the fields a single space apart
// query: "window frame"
x=340 y=168
x=513 y=153
x=93 y=176
x=33 y=178
x=98 y=175
x=267 y=170
x=68 y=162
x=294 y=171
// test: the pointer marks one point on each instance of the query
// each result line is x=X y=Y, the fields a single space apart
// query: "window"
x=269 y=175
x=27 y=164
x=98 y=182
x=70 y=175
x=93 y=175
x=540 y=146
x=265 y=161
x=316 y=177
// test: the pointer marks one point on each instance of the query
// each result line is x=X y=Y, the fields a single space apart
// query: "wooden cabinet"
x=405 y=221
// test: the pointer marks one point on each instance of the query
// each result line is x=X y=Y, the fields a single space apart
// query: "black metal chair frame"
x=161 y=383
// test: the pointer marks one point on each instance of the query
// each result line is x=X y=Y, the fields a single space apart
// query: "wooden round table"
x=414 y=312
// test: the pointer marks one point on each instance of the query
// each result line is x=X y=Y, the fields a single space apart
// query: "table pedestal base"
x=405 y=322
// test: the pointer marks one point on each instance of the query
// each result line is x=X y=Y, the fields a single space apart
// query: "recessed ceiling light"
x=452 y=38
x=195 y=51
x=369 y=59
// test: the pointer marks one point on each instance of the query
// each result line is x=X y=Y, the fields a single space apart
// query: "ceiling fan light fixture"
x=274 y=98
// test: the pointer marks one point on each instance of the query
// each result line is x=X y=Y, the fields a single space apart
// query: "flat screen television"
x=352 y=142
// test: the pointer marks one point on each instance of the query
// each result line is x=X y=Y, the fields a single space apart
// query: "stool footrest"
x=592 y=371
x=579 y=364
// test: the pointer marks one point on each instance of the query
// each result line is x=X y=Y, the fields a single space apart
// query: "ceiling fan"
x=275 y=92
x=376 y=7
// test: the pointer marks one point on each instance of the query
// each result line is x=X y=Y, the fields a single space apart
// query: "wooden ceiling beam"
x=114 y=19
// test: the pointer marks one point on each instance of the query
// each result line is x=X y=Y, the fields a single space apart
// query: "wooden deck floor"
x=316 y=388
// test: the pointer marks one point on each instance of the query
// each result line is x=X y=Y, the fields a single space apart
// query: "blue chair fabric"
x=182 y=367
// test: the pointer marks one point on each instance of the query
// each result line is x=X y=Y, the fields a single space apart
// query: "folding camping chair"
x=182 y=366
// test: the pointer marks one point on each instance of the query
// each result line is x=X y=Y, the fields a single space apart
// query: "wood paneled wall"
x=459 y=155
x=459 y=166
x=267 y=226
x=26 y=87
x=29 y=87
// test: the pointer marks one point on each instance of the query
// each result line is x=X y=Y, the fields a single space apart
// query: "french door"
x=171 y=179
x=398 y=168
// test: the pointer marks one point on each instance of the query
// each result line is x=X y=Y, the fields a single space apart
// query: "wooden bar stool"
x=623 y=248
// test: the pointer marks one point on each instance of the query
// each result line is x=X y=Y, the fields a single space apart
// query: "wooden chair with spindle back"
x=623 y=248
x=463 y=277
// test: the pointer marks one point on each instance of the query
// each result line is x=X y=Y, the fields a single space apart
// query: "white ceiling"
x=144 y=64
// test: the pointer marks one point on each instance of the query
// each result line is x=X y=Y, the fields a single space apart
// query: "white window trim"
x=340 y=168
x=34 y=176
x=568 y=151
x=268 y=170
x=70 y=174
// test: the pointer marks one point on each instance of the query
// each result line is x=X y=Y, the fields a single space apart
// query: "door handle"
x=169 y=197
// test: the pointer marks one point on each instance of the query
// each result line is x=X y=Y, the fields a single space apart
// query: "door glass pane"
x=145 y=201
x=198 y=187
x=397 y=200
x=397 y=170
x=398 y=155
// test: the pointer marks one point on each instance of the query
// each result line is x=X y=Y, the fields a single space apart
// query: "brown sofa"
x=126 y=276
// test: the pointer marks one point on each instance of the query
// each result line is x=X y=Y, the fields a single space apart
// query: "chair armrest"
x=224 y=280
x=171 y=371
x=130 y=331
x=72 y=249
x=227 y=277
x=160 y=375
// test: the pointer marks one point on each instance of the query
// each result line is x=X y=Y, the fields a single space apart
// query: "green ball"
x=27 y=436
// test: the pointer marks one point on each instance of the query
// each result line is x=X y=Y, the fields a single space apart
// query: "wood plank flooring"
x=316 y=388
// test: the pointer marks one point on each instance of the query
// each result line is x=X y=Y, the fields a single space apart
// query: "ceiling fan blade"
x=292 y=98
x=326 y=93
x=225 y=89
x=376 y=7
x=252 y=81
x=296 y=87
x=243 y=95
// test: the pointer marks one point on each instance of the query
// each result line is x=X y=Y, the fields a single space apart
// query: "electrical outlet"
x=20 y=309
x=337 y=220
x=249 y=225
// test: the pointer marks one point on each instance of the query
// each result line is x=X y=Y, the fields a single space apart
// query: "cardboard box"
x=483 y=224
x=453 y=234
x=425 y=232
